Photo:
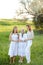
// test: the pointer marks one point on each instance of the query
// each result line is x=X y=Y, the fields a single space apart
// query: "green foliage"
x=38 y=21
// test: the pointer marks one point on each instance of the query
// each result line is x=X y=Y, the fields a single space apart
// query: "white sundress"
x=13 y=46
x=22 y=45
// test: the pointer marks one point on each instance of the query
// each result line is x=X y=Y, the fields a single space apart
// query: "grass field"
x=36 y=49
x=7 y=25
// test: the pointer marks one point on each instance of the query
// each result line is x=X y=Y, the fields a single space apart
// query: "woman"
x=30 y=36
x=22 y=45
x=13 y=45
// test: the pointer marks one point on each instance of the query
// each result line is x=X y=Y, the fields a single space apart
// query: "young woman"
x=30 y=36
x=13 y=45
x=22 y=45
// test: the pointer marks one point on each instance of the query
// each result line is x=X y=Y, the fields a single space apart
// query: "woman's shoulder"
x=12 y=34
x=32 y=31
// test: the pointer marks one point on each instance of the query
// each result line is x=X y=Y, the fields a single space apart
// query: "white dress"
x=13 y=46
x=30 y=35
x=22 y=45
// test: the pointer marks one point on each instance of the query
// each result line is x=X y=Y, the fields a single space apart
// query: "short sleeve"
x=32 y=34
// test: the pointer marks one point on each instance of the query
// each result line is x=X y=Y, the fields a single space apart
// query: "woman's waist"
x=13 y=42
x=29 y=41
x=22 y=42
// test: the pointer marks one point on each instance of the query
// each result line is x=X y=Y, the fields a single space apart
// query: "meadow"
x=7 y=25
x=36 y=49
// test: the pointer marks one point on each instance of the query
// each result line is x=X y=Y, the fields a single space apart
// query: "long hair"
x=22 y=33
x=29 y=27
x=14 y=29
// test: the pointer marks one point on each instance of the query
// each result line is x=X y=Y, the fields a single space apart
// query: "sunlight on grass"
x=9 y=28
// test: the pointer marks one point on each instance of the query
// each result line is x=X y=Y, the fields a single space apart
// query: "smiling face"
x=22 y=31
x=15 y=30
x=28 y=27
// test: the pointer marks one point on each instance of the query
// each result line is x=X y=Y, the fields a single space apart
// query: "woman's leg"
x=11 y=60
x=28 y=51
x=21 y=58
x=28 y=54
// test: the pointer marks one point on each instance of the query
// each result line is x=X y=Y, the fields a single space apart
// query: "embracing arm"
x=31 y=37
x=27 y=39
x=19 y=39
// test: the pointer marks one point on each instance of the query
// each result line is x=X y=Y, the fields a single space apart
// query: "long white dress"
x=13 y=46
x=22 y=45
x=30 y=35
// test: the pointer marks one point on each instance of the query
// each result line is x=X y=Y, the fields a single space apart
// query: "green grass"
x=36 y=50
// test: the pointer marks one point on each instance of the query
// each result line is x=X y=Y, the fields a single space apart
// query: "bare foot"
x=20 y=61
x=10 y=62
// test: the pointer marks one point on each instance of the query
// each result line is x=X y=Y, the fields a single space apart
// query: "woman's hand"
x=25 y=40
x=19 y=40
x=14 y=40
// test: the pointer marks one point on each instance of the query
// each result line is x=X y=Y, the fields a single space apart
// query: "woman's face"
x=15 y=30
x=22 y=31
x=28 y=28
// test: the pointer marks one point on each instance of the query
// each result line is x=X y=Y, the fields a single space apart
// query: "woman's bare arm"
x=32 y=36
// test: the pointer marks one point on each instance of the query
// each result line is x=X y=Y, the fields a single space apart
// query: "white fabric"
x=13 y=46
x=27 y=51
x=30 y=35
x=22 y=45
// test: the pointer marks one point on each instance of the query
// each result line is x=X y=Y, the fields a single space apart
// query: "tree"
x=30 y=6
x=33 y=7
